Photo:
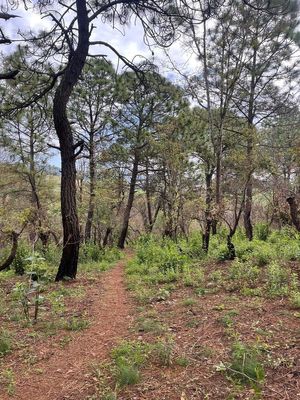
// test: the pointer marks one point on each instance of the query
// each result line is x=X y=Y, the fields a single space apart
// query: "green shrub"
x=193 y=275
x=182 y=361
x=51 y=254
x=21 y=261
x=128 y=358
x=246 y=365
x=76 y=324
x=5 y=343
x=164 y=254
x=222 y=253
x=261 y=231
x=162 y=352
x=90 y=252
x=127 y=375
x=193 y=247
x=277 y=280
x=189 y=302
x=295 y=299
x=131 y=353
x=244 y=274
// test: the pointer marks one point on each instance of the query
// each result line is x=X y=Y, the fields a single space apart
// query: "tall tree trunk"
x=218 y=178
x=71 y=238
x=128 y=208
x=250 y=143
x=107 y=236
x=148 y=201
x=294 y=212
x=92 y=194
x=208 y=218
x=249 y=193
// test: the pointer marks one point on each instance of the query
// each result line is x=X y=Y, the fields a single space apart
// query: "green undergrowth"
x=260 y=268
x=128 y=359
x=60 y=305
x=157 y=269
x=44 y=262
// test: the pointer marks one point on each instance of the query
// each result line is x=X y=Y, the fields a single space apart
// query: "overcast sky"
x=129 y=42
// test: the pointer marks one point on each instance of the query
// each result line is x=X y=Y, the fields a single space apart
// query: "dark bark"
x=107 y=236
x=218 y=180
x=7 y=263
x=250 y=117
x=92 y=194
x=9 y=74
x=134 y=174
x=148 y=201
x=230 y=246
x=208 y=217
x=249 y=195
x=71 y=232
x=294 y=212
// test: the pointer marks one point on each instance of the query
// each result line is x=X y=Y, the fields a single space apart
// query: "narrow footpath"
x=66 y=375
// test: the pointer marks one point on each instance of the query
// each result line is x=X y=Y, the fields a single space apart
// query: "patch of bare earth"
x=65 y=373
x=204 y=334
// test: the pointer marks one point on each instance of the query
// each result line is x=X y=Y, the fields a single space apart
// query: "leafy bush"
x=246 y=365
x=128 y=358
x=162 y=352
x=277 y=280
x=295 y=299
x=244 y=274
x=90 y=252
x=76 y=324
x=52 y=254
x=5 y=343
x=193 y=248
x=164 y=254
x=21 y=261
x=222 y=253
x=261 y=231
x=193 y=275
x=127 y=375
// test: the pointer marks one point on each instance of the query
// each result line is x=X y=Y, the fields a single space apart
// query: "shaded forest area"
x=190 y=162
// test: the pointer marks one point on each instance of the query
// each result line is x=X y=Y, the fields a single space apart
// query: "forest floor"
x=60 y=365
x=179 y=342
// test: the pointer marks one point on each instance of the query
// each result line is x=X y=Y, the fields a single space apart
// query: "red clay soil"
x=66 y=373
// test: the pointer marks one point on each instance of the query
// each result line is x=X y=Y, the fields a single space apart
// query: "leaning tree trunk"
x=128 y=208
x=294 y=212
x=71 y=238
x=7 y=263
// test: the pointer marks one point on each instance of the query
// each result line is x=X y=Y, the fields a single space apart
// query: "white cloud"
x=127 y=40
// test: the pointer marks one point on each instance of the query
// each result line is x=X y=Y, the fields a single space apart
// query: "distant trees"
x=131 y=127
x=143 y=104
x=90 y=113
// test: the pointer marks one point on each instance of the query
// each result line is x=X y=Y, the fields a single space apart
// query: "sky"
x=128 y=41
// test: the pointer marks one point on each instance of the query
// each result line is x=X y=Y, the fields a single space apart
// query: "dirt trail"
x=66 y=374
